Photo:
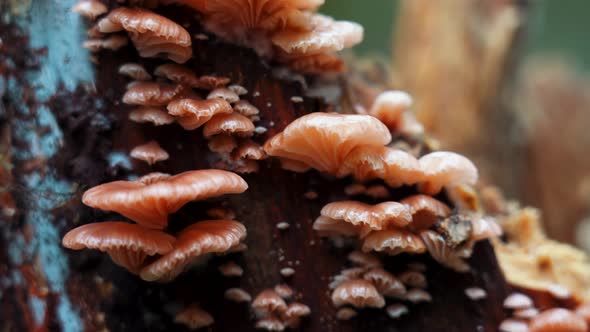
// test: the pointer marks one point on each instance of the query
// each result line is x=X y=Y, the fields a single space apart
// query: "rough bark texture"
x=66 y=130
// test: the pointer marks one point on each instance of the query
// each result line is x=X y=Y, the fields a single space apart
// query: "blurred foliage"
x=555 y=27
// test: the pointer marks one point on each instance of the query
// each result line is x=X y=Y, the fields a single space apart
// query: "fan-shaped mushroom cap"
x=329 y=227
x=445 y=169
x=224 y=93
x=284 y=291
x=558 y=319
x=231 y=269
x=151 y=33
x=149 y=204
x=323 y=140
x=293 y=314
x=374 y=217
x=150 y=152
x=396 y=310
x=389 y=106
x=191 y=113
x=177 y=73
x=358 y=293
x=417 y=295
x=413 y=279
x=345 y=314
x=518 y=301
x=393 y=242
x=238 y=89
x=90 y=8
x=232 y=124
x=127 y=244
x=151 y=94
x=245 y=108
x=194 y=317
x=211 y=236
x=271 y=323
x=484 y=227
x=346 y=275
x=111 y=43
x=315 y=63
x=364 y=259
x=444 y=254
x=395 y=167
x=513 y=325
x=323 y=35
x=386 y=283
x=425 y=210
x=154 y=115
x=135 y=71
x=267 y=302
x=249 y=150
x=237 y=295
x=224 y=144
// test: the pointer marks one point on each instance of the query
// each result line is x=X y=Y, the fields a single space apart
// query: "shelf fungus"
x=90 y=8
x=150 y=152
x=192 y=243
x=111 y=43
x=443 y=168
x=558 y=319
x=127 y=244
x=229 y=124
x=358 y=293
x=150 y=202
x=425 y=210
x=273 y=313
x=151 y=94
x=192 y=114
x=152 y=34
x=153 y=115
x=183 y=75
x=194 y=317
x=134 y=71
x=224 y=93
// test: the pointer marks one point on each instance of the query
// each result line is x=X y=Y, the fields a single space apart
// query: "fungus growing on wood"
x=396 y=310
x=150 y=202
x=201 y=238
x=345 y=314
x=270 y=323
x=293 y=314
x=222 y=144
x=111 y=43
x=224 y=93
x=513 y=325
x=249 y=150
x=156 y=116
x=134 y=71
x=364 y=259
x=245 y=108
x=194 y=317
x=192 y=114
x=268 y=302
x=367 y=217
x=90 y=8
x=425 y=210
x=476 y=293
x=442 y=169
x=518 y=301
x=238 y=89
x=231 y=269
x=150 y=152
x=442 y=253
x=484 y=228
x=127 y=244
x=230 y=124
x=358 y=293
x=393 y=242
x=389 y=106
x=151 y=33
x=558 y=319
x=183 y=75
x=237 y=295
x=417 y=295
x=322 y=141
x=386 y=283
x=284 y=291
x=151 y=94
x=413 y=279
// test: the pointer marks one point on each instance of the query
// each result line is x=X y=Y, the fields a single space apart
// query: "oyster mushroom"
x=442 y=253
x=230 y=124
x=192 y=114
x=393 y=242
x=134 y=71
x=127 y=244
x=151 y=94
x=425 y=210
x=358 y=293
x=386 y=283
x=558 y=319
x=150 y=152
x=183 y=75
x=201 y=238
x=194 y=317
x=111 y=43
x=154 y=115
x=149 y=201
x=389 y=106
x=224 y=93
x=90 y=8
x=445 y=169
x=268 y=302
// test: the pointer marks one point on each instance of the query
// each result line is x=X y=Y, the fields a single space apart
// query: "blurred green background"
x=556 y=27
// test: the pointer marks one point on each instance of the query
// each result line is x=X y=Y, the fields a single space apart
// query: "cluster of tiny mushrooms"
x=290 y=33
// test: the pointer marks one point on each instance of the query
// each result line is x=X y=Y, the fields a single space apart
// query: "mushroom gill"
x=183 y=75
x=393 y=242
x=368 y=217
x=127 y=244
x=192 y=114
x=425 y=210
x=150 y=202
x=204 y=237
x=150 y=152
x=389 y=107
x=358 y=293
x=445 y=255
x=152 y=34
x=230 y=124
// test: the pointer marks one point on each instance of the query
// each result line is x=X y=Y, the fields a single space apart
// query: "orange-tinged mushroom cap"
x=330 y=227
x=150 y=203
x=156 y=116
x=358 y=293
x=150 y=152
x=194 y=317
x=375 y=217
x=151 y=33
x=135 y=71
x=230 y=124
x=90 y=8
x=389 y=107
x=445 y=169
x=211 y=236
x=393 y=242
x=151 y=94
x=191 y=113
x=323 y=140
x=386 y=283
x=558 y=319
x=444 y=254
x=267 y=302
x=127 y=244
x=425 y=210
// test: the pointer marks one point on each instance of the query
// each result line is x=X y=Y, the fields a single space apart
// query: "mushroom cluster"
x=525 y=317
x=273 y=313
x=368 y=285
x=145 y=248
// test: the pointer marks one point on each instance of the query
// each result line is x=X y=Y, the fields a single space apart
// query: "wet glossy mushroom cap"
x=153 y=115
x=484 y=228
x=389 y=106
x=425 y=210
x=444 y=254
x=135 y=71
x=111 y=43
x=323 y=140
x=396 y=167
x=364 y=259
x=192 y=113
x=442 y=169
x=271 y=323
x=151 y=33
x=150 y=152
x=149 y=204
x=223 y=144
x=315 y=63
x=224 y=93
x=194 y=317
x=374 y=217
x=323 y=35
x=90 y=8
x=393 y=242
x=151 y=94
x=204 y=237
x=518 y=301
x=293 y=314
x=237 y=295
x=230 y=124
x=249 y=150
x=330 y=227
x=558 y=319
x=127 y=244
x=358 y=293
x=245 y=108
x=267 y=302
x=386 y=283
